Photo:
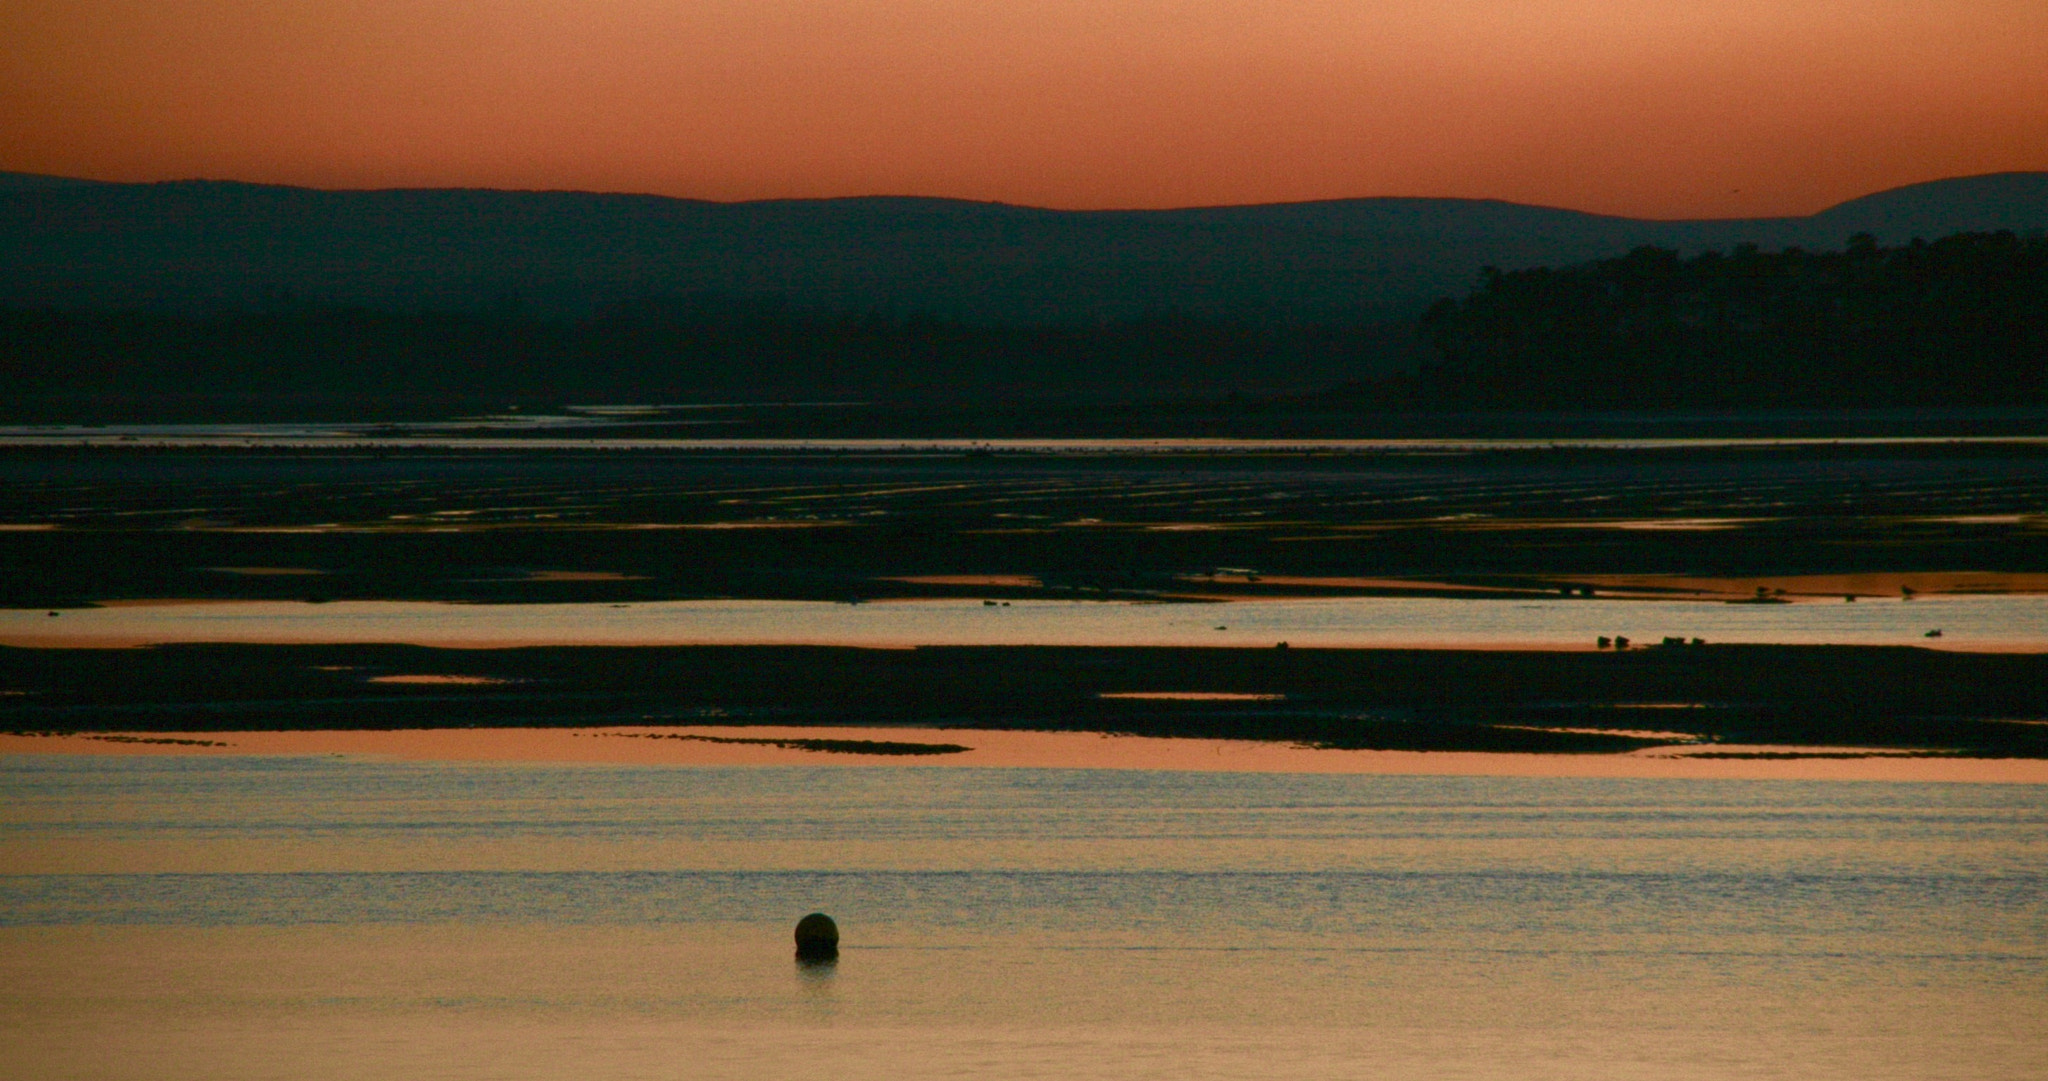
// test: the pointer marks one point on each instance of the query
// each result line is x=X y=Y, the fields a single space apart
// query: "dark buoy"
x=817 y=938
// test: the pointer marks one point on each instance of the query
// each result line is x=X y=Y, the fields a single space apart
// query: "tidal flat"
x=452 y=522
x=1451 y=595
x=1977 y=705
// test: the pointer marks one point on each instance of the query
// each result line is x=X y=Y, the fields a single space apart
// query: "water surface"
x=462 y=920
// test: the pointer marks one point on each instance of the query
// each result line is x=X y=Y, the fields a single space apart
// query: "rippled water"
x=1991 y=622
x=342 y=917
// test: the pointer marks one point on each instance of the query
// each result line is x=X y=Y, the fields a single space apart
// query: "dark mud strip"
x=1806 y=697
x=1791 y=755
x=824 y=746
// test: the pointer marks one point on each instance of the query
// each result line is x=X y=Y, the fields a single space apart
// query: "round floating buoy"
x=817 y=938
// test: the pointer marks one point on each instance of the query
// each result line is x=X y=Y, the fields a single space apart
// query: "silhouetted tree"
x=1961 y=320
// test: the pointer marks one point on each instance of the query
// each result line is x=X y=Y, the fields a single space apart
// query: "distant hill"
x=195 y=246
x=1983 y=204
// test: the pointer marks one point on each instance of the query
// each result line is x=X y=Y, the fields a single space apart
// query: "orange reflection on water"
x=609 y=1002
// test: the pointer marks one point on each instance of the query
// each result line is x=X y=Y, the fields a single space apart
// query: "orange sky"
x=1645 y=107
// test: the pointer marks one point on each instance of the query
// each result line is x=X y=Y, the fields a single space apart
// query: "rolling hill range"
x=200 y=246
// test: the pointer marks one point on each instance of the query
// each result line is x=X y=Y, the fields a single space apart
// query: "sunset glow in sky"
x=1642 y=107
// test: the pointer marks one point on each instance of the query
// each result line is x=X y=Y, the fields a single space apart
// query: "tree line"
x=1959 y=321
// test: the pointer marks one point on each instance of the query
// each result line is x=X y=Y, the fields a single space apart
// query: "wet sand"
x=1024 y=749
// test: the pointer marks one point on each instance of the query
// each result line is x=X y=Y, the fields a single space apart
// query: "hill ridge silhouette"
x=202 y=245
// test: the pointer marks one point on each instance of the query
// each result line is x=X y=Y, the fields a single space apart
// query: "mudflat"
x=1911 y=525
x=1674 y=697
x=83 y=525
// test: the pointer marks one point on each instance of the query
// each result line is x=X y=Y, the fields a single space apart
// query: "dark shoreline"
x=1808 y=696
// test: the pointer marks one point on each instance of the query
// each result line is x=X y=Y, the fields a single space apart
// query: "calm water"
x=2017 y=621
x=346 y=918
